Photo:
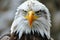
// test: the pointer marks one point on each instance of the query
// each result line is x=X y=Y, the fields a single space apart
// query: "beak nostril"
x=32 y=14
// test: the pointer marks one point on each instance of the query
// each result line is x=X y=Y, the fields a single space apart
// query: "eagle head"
x=32 y=16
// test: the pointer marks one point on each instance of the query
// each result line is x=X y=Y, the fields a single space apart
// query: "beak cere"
x=31 y=17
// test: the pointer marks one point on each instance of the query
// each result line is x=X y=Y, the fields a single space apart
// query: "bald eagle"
x=31 y=22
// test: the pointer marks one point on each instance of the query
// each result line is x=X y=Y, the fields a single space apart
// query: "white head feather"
x=20 y=24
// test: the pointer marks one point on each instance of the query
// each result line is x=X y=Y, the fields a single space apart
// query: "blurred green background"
x=8 y=9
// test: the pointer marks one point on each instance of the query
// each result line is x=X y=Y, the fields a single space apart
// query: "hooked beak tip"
x=31 y=17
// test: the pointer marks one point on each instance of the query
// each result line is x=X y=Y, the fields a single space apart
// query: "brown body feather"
x=30 y=36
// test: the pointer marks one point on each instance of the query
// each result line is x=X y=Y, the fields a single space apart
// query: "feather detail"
x=40 y=25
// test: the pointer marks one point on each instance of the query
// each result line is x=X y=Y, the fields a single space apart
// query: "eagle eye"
x=23 y=12
x=40 y=12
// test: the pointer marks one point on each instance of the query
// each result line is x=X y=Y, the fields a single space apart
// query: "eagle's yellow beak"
x=31 y=17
